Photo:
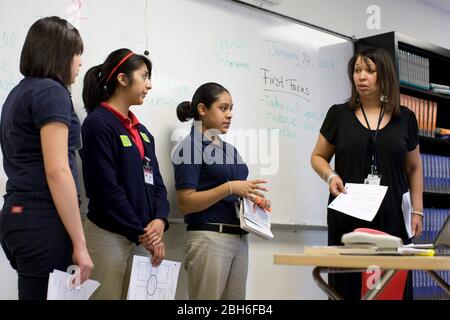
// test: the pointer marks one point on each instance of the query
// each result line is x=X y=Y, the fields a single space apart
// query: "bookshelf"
x=419 y=63
x=437 y=70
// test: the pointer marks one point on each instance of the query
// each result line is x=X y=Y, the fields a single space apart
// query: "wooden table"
x=359 y=263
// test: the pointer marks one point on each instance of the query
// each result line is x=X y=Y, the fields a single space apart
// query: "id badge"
x=148 y=174
x=373 y=179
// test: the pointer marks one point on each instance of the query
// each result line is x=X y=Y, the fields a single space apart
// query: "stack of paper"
x=367 y=251
x=59 y=289
x=338 y=250
x=407 y=212
x=254 y=219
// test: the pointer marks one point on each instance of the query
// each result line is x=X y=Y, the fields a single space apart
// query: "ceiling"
x=441 y=5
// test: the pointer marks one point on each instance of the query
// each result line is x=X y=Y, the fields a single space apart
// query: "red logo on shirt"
x=16 y=209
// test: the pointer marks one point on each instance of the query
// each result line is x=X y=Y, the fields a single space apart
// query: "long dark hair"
x=386 y=79
x=207 y=93
x=100 y=82
x=49 y=48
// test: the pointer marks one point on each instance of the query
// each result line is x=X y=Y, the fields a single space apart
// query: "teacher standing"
x=374 y=140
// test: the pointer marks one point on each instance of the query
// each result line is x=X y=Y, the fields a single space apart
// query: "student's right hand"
x=336 y=186
x=158 y=252
x=248 y=188
x=83 y=260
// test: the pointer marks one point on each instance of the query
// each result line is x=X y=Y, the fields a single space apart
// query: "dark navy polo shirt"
x=202 y=165
x=31 y=104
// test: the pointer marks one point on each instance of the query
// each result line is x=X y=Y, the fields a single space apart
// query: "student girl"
x=40 y=225
x=128 y=204
x=374 y=140
x=209 y=175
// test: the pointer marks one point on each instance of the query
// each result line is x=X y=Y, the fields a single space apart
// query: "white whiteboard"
x=282 y=76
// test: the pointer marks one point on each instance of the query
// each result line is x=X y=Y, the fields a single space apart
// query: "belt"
x=221 y=228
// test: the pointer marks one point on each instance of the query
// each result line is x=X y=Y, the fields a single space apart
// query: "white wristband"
x=331 y=176
x=418 y=212
x=325 y=174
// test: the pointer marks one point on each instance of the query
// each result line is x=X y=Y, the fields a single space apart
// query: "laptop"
x=442 y=242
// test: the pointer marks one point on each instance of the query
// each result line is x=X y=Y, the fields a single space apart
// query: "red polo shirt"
x=130 y=124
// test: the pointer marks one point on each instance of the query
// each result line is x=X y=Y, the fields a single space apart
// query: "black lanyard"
x=147 y=161
x=374 y=166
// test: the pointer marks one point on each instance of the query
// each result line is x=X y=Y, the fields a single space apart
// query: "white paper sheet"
x=58 y=287
x=150 y=283
x=255 y=220
x=407 y=212
x=361 y=201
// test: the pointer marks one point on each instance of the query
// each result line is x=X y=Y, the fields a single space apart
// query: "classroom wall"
x=265 y=280
x=410 y=17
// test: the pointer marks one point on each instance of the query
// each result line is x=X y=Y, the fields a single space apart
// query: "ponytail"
x=100 y=82
x=207 y=94
x=93 y=88
x=184 y=111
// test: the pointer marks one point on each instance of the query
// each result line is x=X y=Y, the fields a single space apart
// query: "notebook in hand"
x=254 y=219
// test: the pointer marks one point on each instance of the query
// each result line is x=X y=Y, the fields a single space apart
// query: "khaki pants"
x=216 y=265
x=112 y=255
